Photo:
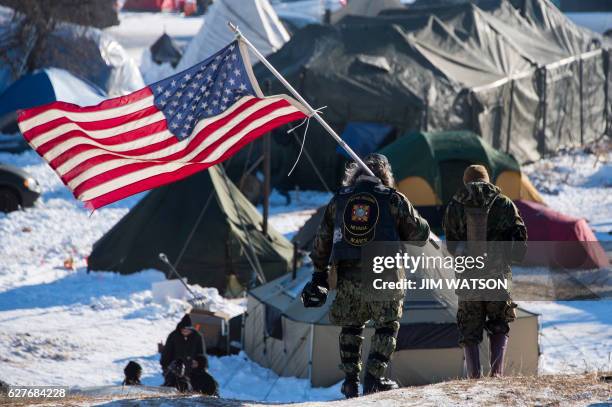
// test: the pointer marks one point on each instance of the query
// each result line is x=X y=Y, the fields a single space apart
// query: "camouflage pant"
x=351 y=311
x=475 y=316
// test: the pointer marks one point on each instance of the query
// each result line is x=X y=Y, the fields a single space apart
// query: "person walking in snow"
x=366 y=209
x=184 y=343
x=490 y=224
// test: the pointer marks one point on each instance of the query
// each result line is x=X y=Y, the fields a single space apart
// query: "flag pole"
x=299 y=97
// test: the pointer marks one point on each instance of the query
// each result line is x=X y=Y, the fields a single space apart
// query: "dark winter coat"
x=182 y=347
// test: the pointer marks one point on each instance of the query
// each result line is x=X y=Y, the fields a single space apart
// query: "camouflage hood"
x=477 y=194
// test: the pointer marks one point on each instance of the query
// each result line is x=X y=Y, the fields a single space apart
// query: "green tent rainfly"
x=226 y=231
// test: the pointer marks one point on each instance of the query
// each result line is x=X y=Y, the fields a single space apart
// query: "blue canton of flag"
x=204 y=90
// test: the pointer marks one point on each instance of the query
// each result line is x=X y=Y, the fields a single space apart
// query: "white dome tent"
x=256 y=19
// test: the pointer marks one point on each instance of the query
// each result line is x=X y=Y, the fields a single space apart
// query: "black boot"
x=373 y=384
x=350 y=387
x=472 y=361
x=497 y=343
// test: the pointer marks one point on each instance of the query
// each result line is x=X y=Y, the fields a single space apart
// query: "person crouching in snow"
x=201 y=380
x=184 y=343
x=132 y=372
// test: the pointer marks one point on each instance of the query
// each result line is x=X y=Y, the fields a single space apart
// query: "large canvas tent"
x=207 y=228
x=282 y=335
x=255 y=18
x=428 y=169
x=520 y=74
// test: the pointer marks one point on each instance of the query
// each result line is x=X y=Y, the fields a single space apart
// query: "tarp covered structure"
x=108 y=65
x=94 y=13
x=255 y=18
x=369 y=8
x=519 y=74
x=164 y=50
x=428 y=169
x=42 y=87
x=364 y=138
x=573 y=243
x=282 y=335
x=206 y=227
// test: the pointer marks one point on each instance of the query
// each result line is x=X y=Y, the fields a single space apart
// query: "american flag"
x=159 y=134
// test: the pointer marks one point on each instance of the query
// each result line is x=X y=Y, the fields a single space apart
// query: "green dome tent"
x=428 y=168
x=208 y=229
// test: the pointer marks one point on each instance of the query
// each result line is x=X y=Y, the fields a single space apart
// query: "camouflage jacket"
x=504 y=223
x=410 y=225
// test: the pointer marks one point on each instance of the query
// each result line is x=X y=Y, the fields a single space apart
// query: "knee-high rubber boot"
x=472 y=361
x=497 y=344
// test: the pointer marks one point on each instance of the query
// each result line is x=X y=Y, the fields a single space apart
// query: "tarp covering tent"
x=108 y=65
x=94 y=13
x=520 y=74
x=42 y=87
x=164 y=50
x=428 y=169
x=574 y=244
x=368 y=8
x=208 y=229
x=364 y=138
x=255 y=18
x=282 y=335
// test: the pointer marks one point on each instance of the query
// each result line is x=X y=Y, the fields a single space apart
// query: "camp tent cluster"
x=282 y=335
x=518 y=73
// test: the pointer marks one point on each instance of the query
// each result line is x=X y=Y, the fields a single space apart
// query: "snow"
x=137 y=31
x=70 y=327
x=63 y=326
x=577 y=183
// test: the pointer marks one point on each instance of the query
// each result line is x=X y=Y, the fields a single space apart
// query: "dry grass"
x=550 y=390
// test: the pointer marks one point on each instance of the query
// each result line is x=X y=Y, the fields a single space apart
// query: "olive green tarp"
x=280 y=334
x=518 y=73
x=421 y=155
x=224 y=224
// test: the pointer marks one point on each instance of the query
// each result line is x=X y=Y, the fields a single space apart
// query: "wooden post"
x=295 y=260
x=266 y=169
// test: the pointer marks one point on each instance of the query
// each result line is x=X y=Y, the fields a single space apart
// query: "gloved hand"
x=315 y=292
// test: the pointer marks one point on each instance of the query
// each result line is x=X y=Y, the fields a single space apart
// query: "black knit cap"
x=185 y=322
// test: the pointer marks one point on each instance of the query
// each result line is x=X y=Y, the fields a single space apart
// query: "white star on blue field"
x=204 y=90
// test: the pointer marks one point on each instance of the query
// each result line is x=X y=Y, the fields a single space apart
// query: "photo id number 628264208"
x=35 y=392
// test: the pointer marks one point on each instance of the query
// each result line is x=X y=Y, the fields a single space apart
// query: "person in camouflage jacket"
x=505 y=234
x=351 y=309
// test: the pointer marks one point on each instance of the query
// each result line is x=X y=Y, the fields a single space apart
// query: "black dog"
x=177 y=376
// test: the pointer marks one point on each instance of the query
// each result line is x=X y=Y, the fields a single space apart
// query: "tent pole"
x=313 y=112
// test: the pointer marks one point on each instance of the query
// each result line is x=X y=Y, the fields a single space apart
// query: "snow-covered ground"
x=63 y=326
x=137 y=31
x=578 y=184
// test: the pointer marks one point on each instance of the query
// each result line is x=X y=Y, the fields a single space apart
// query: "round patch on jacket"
x=360 y=219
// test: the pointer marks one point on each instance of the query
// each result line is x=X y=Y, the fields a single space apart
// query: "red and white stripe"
x=122 y=146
